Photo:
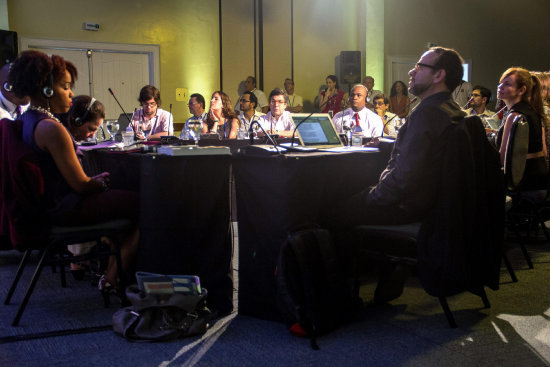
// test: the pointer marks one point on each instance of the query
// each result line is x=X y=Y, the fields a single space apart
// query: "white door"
x=123 y=68
x=125 y=73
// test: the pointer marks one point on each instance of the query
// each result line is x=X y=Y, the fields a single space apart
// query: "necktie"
x=17 y=112
x=356 y=127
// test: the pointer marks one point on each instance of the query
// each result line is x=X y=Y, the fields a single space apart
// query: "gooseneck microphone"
x=397 y=114
x=119 y=105
x=250 y=132
x=467 y=103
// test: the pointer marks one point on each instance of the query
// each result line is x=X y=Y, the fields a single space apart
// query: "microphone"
x=119 y=105
x=308 y=116
x=468 y=103
x=397 y=114
x=266 y=134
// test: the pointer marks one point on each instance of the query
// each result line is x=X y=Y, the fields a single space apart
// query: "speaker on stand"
x=350 y=67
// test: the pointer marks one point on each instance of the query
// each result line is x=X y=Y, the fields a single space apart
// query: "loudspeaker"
x=350 y=67
x=8 y=47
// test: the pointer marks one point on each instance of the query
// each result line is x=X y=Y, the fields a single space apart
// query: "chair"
x=23 y=221
x=457 y=247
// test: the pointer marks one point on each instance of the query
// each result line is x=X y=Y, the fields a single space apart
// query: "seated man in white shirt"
x=250 y=85
x=248 y=103
x=478 y=103
x=358 y=117
x=277 y=121
x=196 y=107
x=392 y=122
x=11 y=107
x=151 y=121
x=295 y=103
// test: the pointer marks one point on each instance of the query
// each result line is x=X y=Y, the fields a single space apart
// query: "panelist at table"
x=277 y=120
x=221 y=117
x=70 y=197
x=150 y=121
x=358 y=117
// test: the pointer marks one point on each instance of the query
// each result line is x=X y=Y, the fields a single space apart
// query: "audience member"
x=462 y=93
x=392 y=122
x=331 y=100
x=11 y=107
x=368 y=82
x=295 y=103
x=248 y=111
x=221 y=118
x=405 y=191
x=478 y=103
x=250 y=85
x=544 y=79
x=71 y=198
x=358 y=117
x=196 y=108
x=399 y=99
x=277 y=121
x=521 y=92
x=150 y=121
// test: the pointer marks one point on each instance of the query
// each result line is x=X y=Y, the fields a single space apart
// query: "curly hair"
x=393 y=91
x=227 y=108
x=31 y=71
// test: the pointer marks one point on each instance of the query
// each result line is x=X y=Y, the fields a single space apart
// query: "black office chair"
x=452 y=256
x=521 y=211
x=23 y=220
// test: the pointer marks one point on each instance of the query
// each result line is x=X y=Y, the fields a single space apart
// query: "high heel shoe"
x=107 y=289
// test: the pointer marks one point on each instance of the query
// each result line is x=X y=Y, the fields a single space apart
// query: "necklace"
x=44 y=111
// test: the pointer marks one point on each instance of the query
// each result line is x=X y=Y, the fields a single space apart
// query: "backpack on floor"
x=313 y=294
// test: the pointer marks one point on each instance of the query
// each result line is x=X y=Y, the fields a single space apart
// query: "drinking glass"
x=113 y=129
x=197 y=129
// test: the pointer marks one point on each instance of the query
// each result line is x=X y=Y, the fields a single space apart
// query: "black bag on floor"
x=313 y=293
x=158 y=317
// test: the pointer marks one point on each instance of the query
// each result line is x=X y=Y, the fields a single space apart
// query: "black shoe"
x=391 y=283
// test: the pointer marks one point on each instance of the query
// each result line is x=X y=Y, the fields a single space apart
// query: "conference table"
x=277 y=194
x=184 y=214
x=185 y=211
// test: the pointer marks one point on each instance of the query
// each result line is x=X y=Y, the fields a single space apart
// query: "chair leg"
x=30 y=289
x=18 y=274
x=521 y=243
x=447 y=311
x=509 y=267
x=484 y=298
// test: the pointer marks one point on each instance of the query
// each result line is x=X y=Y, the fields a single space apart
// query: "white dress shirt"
x=371 y=124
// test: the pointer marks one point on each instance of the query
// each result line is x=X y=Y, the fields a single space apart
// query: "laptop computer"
x=317 y=131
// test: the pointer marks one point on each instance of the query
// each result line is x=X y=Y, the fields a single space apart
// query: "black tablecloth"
x=184 y=215
x=276 y=194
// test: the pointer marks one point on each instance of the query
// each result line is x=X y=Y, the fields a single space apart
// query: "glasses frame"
x=418 y=65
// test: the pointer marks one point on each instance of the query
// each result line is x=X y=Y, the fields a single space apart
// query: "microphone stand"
x=266 y=134
x=125 y=114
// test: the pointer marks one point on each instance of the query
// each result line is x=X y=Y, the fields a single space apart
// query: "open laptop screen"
x=317 y=131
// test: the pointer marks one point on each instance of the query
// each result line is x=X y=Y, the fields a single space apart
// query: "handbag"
x=158 y=317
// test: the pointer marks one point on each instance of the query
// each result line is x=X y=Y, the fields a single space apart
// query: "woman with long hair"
x=71 y=197
x=399 y=99
x=332 y=99
x=221 y=117
x=521 y=91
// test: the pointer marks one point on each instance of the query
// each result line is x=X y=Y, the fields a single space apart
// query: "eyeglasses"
x=192 y=103
x=277 y=102
x=152 y=104
x=244 y=100
x=379 y=103
x=420 y=64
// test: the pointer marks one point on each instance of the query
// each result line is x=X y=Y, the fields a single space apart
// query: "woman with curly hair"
x=221 y=117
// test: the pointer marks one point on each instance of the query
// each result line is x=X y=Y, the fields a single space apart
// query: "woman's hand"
x=102 y=181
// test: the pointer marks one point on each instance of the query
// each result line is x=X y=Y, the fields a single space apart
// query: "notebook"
x=317 y=131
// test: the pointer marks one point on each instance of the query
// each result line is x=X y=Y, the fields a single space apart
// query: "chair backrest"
x=516 y=152
x=22 y=216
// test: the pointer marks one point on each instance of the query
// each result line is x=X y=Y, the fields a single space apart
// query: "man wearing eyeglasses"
x=248 y=103
x=150 y=121
x=405 y=192
x=196 y=107
x=278 y=120
x=391 y=120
